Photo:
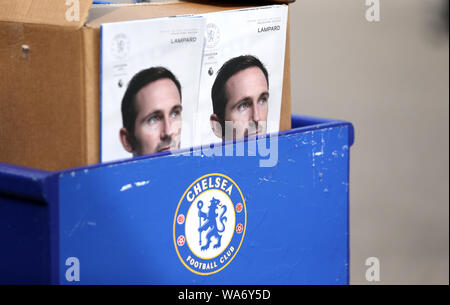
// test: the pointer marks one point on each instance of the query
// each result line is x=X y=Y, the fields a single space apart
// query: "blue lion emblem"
x=211 y=223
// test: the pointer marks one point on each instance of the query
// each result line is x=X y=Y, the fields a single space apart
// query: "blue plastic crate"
x=119 y=220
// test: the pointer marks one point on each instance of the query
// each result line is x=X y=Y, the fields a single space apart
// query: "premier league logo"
x=209 y=224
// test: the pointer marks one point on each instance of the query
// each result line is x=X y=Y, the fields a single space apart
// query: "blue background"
x=297 y=216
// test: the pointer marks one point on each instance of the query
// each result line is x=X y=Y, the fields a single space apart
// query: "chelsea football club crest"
x=209 y=224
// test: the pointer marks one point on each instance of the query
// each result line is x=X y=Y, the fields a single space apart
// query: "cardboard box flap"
x=125 y=12
x=100 y=14
x=248 y=2
x=68 y=13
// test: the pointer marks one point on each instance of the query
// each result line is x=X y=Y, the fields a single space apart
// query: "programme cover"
x=158 y=46
x=242 y=37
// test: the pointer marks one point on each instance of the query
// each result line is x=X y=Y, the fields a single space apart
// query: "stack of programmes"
x=186 y=81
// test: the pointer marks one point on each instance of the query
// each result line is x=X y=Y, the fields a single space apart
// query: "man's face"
x=247 y=104
x=158 y=122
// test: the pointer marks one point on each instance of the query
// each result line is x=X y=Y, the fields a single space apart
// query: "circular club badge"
x=212 y=35
x=120 y=46
x=209 y=224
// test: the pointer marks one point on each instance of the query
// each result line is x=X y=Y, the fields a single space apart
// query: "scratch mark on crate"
x=141 y=183
x=126 y=187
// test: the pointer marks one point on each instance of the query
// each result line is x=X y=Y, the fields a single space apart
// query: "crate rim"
x=31 y=183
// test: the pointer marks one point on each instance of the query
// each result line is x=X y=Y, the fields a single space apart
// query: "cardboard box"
x=49 y=67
